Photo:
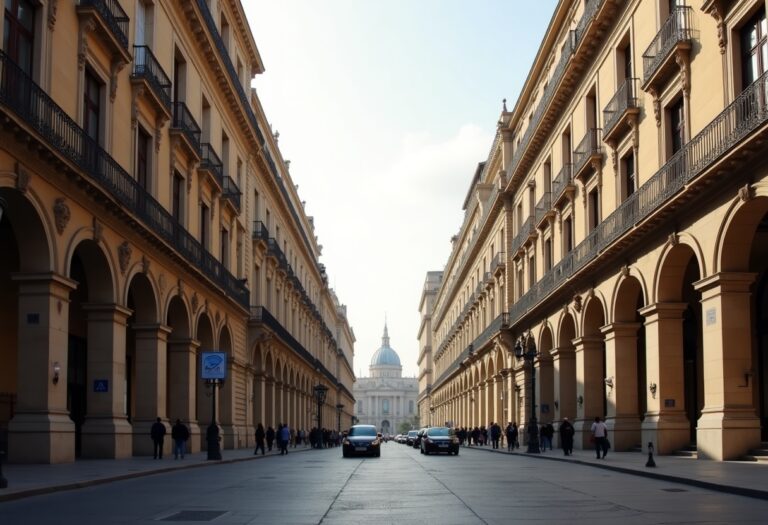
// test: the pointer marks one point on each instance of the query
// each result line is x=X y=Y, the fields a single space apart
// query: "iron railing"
x=184 y=121
x=21 y=96
x=676 y=29
x=146 y=66
x=500 y=259
x=113 y=16
x=589 y=147
x=260 y=231
x=231 y=192
x=563 y=179
x=211 y=162
x=743 y=116
x=543 y=207
x=624 y=99
x=522 y=235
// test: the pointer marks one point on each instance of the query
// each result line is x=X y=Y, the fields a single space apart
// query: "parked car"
x=419 y=435
x=411 y=437
x=440 y=439
x=362 y=439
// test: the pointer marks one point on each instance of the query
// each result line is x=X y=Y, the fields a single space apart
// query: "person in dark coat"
x=566 y=436
x=260 y=434
x=270 y=437
x=157 y=433
x=180 y=435
x=495 y=434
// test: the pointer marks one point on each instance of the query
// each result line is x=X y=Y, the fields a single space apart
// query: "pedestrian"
x=180 y=435
x=293 y=437
x=515 y=434
x=566 y=436
x=546 y=433
x=157 y=432
x=270 y=438
x=600 y=437
x=285 y=438
x=495 y=434
x=259 y=439
x=510 y=432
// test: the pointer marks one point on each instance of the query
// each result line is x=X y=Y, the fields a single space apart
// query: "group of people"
x=285 y=437
x=179 y=434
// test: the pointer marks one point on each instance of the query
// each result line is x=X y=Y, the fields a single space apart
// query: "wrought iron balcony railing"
x=526 y=229
x=563 y=180
x=231 y=192
x=623 y=103
x=146 y=66
x=543 y=207
x=743 y=116
x=499 y=261
x=184 y=122
x=678 y=28
x=589 y=148
x=21 y=96
x=113 y=16
x=211 y=162
x=260 y=231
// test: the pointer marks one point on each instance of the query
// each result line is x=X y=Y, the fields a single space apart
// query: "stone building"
x=146 y=216
x=386 y=399
x=618 y=229
x=426 y=376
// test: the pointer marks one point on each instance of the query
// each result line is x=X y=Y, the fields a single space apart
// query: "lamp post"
x=320 y=391
x=339 y=408
x=212 y=433
x=525 y=348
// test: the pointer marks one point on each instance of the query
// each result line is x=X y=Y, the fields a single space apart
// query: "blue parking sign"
x=213 y=365
x=101 y=385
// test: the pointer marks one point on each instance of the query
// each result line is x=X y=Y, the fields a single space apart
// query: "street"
x=403 y=486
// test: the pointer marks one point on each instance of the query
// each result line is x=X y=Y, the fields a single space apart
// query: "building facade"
x=386 y=399
x=146 y=216
x=425 y=362
x=618 y=228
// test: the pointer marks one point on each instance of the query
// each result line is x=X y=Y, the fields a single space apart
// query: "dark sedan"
x=362 y=439
x=440 y=439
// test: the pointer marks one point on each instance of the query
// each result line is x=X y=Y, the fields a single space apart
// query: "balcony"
x=620 y=111
x=111 y=26
x=232 y=193
x=527 y=232
x=211 y=164
x=498 y=263
x=148 y=74
x=260 y=231
x=543 y=210
x=675 y=36
x=25 y=102
x=563 y=186
x=588 y=155
x=185 y=128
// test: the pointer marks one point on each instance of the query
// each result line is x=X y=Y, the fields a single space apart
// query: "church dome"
x=385 y=355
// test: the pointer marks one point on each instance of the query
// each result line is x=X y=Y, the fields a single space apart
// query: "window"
x=225 y=247
x=19 y=33
x=628 y=183
x=754 y=49
x=410 y=407
x=594 y=209
x=567 y=235
x=204 y=219
x=677 y=126
x=142 y=159
x=385 y=406
x=548 y=255
x=92 y=106
x=531 y=271
x=143 y=24
x=178 y=195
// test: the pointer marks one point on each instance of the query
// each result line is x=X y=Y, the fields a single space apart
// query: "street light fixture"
x=320 y=391
x=525 y=348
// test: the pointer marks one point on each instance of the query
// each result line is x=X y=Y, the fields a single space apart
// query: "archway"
x=181 y=372
x=231 y=435
x=590 y=371
x=208 y=408
x=564 y=376
x=546 y=377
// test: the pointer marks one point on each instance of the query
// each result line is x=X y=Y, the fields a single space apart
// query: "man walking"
x=157 y=433
x=180 y=435
x=285 y=438
x=566 y=436
x=600 y=435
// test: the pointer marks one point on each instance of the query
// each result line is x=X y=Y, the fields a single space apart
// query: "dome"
x=385 y=355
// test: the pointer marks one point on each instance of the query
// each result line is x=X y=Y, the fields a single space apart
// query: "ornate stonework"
x=98 y=230
x=22 y=178
x=124 y=256
x=577 y=302
x=61 y=214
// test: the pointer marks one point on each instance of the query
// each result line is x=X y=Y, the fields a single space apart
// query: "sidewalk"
x=31 y=480
x=743 y=478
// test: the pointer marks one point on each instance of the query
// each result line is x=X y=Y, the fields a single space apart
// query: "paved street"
x=400 y=487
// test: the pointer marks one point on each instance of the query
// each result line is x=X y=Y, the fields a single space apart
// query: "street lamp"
x=320 y=391
x=431 y=415
x=525 y=348
x=339 y=408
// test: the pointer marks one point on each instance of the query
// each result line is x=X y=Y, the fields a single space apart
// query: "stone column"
x=106 y=432
x=182 y=387
x=150 y=366
x=544 y=379
x=623 y=419
x=665 y=423
x=589 y=378
x=564 y=377
x=729 y=425
x=41 y=430
x=225 y=400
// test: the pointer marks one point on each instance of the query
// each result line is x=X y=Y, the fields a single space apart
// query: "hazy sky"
x=384 y=109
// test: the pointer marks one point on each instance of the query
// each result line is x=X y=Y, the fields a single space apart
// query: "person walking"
x=285 y=438
x=270 y=438
x=509 y=431
x=157 y=433
x=495 y=434
x=600 y=436
x=566 y=436
x=515 y=434
x=259 y=439
x=180 y=435
x=547 y=433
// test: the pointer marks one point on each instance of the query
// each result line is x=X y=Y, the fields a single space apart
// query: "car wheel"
x=456 y=453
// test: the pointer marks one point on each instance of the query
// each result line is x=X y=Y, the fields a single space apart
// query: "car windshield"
x=362 y=431
x=439 y=432
x=412 y=433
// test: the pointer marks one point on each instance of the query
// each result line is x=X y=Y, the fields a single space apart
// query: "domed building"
x=386 y=398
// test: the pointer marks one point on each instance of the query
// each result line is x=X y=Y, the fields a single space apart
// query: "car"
x=419 y=435
x=411 y=437
x=361 y=439
x=440 y=439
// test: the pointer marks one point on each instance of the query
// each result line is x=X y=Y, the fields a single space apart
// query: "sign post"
x=213 y=370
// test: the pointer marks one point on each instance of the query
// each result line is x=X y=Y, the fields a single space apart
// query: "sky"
x=385 y=108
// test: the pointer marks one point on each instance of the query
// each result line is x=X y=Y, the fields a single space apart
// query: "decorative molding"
x=22 y=178
x=117 y=66
x=683 y=62
x=137 y=92
x=656 y=106
x=745 y=193
x=61 y=214
x=717 y=11
x=98 y=230
x=673 y=239
x=625 y=271
x=161 y=283
x=52 y=7
x=145 y=264
x=180 y=286
x=194 y=302
x=577 y=303
x=86 y=27
x=124 y=256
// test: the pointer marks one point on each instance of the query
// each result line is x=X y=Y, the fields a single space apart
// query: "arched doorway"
x=590 y=371
x=181 y=372
x=207 y=406
x=546 y=377
x=564 y=357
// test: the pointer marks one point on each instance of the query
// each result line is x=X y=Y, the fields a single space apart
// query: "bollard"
x=3 y=481
x=650 y=462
